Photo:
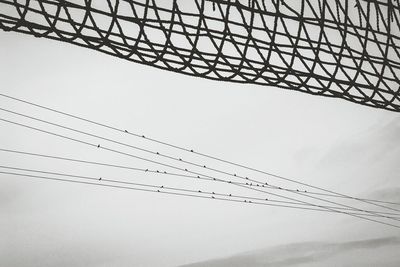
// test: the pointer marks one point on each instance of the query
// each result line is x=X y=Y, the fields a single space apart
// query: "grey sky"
x=331 y=143
x=352 y=253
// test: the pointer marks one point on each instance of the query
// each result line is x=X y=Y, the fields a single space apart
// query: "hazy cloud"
x=391 y=194
x=299 y=253
x=371 y=145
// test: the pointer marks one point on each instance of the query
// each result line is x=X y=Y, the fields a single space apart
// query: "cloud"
x=390 y=194
x=371 y=146
x=299 y=253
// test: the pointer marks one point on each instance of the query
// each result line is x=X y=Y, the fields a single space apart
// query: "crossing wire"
x=197 y=173
x=257 y=183
x=245 y=198
x=188 y=194
x=329 y=192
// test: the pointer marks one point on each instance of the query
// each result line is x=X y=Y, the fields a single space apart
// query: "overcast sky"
x=326 y=142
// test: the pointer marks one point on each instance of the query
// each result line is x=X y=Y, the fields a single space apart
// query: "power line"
x=163 y=186
x=368 y=201
x=174 y=167
x=180 y=159
x=163 y=190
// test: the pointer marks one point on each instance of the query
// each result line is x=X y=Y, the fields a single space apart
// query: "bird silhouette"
x=98 y=145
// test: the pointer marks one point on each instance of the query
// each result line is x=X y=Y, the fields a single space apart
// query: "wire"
x=178 y=168
x=164 y=191
x=212 y=193
x=131 y=168
x=167 y=165
x=182 y=160
x=368 y=201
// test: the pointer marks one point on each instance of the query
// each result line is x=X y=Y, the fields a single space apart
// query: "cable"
x=180 y=159
x=131 y=168
x=168 y=165
x=162 y=190
x=368 y=201
x=212 y=193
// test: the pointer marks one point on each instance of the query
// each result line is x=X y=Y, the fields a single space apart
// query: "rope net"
x=344 y=49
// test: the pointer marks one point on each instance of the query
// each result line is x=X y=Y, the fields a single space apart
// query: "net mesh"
x=344 y=49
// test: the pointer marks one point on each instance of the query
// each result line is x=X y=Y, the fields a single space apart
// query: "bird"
x=126 y=131
x=146 y=170
x=100 y=179
x=98 y=145
x=191 y=150
x=143 y=136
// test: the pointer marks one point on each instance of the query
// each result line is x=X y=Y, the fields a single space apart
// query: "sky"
x=330 y=143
